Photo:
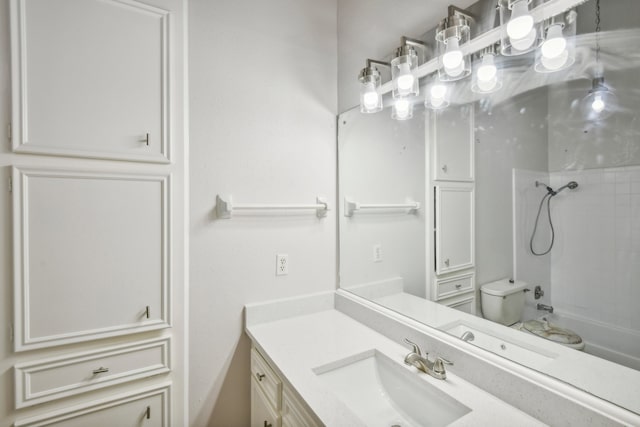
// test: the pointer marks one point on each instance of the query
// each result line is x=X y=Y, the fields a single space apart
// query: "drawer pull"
x=100 y=370
x=458 y=286
x=260 y=376
x=147 y=312
x=266 y=424
x=148 y=412
x=145 y=139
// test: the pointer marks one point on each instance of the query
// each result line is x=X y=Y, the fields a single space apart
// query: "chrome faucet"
x=434 y=368
x=545 y=307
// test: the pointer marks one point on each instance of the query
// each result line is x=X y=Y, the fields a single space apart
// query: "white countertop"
x=296 y=345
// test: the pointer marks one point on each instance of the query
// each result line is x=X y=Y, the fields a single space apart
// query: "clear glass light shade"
x=558 y=49
x=405 y=83
x=487 y=77
x=520 y=22
x=437 y=96
x=454 y=65
x=519 y=33
x=370 y=98
x=600 y=102
x=402 y=109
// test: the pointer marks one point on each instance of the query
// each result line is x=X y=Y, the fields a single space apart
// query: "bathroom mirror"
x=539 y=128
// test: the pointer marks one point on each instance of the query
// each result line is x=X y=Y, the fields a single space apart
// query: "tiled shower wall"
x=595 y=265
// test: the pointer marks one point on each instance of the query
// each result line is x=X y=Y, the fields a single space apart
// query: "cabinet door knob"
x=266 y=424
x=259 y=376
x=446 y=262
x=444 y=168
x=458 y=286
x=148 y=412
x=100 y=370
x=145 y=139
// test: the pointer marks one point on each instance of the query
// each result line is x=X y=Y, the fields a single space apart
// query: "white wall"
x=510 y=135
x=382 y=161
x=263 y=129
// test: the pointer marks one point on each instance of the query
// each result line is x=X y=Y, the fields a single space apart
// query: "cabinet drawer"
x=453 y=286
x=262 y=412
x=268 y=381
x=465 y=303
x=50 y=379
x=147 y=407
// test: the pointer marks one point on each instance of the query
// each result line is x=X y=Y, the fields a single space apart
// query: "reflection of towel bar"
x=350 y=206
x=224 y=208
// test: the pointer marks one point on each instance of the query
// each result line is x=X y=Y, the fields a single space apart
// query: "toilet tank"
x=503 y=301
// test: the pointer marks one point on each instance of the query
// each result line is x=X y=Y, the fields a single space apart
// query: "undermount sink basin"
x=382 y=392
x=517 y=351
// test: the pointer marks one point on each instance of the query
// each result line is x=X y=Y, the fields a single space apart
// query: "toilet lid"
x=552 y=332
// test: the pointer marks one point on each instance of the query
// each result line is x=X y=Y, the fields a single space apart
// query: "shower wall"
x=595 y=267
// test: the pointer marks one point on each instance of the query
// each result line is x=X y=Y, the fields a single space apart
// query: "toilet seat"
x=549 y=331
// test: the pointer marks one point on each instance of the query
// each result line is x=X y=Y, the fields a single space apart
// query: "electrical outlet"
x=282 y=264
x=377 y=253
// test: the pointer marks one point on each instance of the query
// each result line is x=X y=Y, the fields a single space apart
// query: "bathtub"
x=607 y=341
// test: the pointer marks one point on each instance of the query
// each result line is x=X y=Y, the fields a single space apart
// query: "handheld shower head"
x=571 y=185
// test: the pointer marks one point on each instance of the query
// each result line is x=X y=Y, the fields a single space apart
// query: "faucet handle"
x=416 y=349
x=438 y=367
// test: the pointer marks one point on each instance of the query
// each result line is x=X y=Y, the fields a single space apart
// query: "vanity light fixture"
x=487 y=77
x=558 y=49
x=453 y=32
x=402 y=109
x=370 y=81
x=437 y=96
x=403 y=66
x=600 y=100
x=519 y=32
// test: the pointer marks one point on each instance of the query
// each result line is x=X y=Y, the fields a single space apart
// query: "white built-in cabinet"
x=97 y=183
x=274 y=404
x=452 y=278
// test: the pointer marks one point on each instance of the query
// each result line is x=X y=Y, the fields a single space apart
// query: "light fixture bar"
x=540 y=13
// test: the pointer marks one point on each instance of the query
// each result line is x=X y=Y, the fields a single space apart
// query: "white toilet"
x=503 y=302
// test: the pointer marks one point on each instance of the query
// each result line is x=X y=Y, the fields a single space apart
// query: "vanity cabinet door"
x=454 y=233
x=453 y=148
x=262 y=412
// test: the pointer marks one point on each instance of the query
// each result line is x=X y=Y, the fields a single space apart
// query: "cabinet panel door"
x=262 y=413
x=90 y=79
x=454 y=227
x=148 y=408
x=91 y=255
x=454 y=144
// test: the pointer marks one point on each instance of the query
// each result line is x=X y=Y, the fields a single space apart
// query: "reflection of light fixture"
x=405 y=82
x=452 y=32
x=437 y=96
x=519 y=32
x=402 y=109
x=558 y=49
x=600 y=100
x=370 y=97
x=487 y=77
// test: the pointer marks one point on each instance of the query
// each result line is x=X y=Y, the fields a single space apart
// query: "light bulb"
x=402 y=109
x=370 y=99
x=525 y=42
x=452 y=57
x=487 y=70
x=598 y=104
x=487 y=85
x=555 y=44
x=437 y=102
x=521 y=22
x=438 y=91
x=405 y=79
x=556 y=63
